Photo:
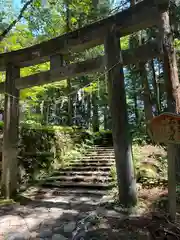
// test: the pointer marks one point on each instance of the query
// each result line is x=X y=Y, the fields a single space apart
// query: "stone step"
x=96 y=157
x=71 y=191
x=105 y=161
x=81 y=178
x=61 y=184
x=90 y=164
x=101 y=150
x=99 y=156
x=89 y=174
x=88 y=168
x=99 y=147
x=77 y=173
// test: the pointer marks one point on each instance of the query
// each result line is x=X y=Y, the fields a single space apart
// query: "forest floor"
x=44 y=214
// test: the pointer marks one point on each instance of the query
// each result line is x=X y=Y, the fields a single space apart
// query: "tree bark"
x=70 y=102
x=105 y=117
x=135 y=97
x=69 y=88
x=95 y=116
x=155 y=87
x=136 y=111
x=173 y=102
x=146 y=93
x=56 y=61
x=88 y=111
x=120 y=128
x=170 y=66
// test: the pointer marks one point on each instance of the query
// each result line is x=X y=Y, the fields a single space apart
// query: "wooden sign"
x=165 y=128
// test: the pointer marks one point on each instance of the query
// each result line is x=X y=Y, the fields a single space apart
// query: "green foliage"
x=139 y=135
x=44 y=148
x=48 y=104
x=113 y=174
x=1 y=125
x=104 y=138
x=150 y=164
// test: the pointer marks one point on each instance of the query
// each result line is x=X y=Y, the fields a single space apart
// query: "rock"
x=58 y=230
x=144 y=235
x=34 y=235
x=15 y=236
x=69 y=227
x=58 y=223
x=45 y=233
x=58 y=237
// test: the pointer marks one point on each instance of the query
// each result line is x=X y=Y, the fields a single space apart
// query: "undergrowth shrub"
x=44 y=148
x=103 y=138
x=150 y=165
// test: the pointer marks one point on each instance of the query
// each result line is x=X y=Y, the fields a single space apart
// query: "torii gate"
x=108 y=32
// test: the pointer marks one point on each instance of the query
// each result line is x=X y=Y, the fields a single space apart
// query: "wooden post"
x=120 y=131
x=11 y=130
x=173 y=100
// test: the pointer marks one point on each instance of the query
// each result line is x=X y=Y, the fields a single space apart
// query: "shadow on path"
x=44 y=214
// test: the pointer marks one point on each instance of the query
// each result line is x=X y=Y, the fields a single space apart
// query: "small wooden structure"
x=165 y=128
x=108 y=32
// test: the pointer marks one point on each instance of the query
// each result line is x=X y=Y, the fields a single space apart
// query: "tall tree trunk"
x=69 y=88
x=45 y=112
x=70 y=102
x=95 y=117
x=173 y=101
x=155 y=87
x=135 y=98
x=136 y=111
x=133 y=43
x=105 y=109
x=89 y=111
x=170 y=67
x=146 y=93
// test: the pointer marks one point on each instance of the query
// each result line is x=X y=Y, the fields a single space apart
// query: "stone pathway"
x=46 y=216
x=50 y=214
x=92 y=171
x=69 y=209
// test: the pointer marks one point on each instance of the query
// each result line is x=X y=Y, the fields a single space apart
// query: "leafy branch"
x=9 y=28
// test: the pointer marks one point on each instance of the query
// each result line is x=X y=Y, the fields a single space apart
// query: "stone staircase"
x=89 y=174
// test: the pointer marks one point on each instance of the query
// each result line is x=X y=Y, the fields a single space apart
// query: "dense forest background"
x=63 y=122
x=81 y=101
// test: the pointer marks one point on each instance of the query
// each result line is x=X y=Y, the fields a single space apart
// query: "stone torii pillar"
x=120 y=129
x=10 y=134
